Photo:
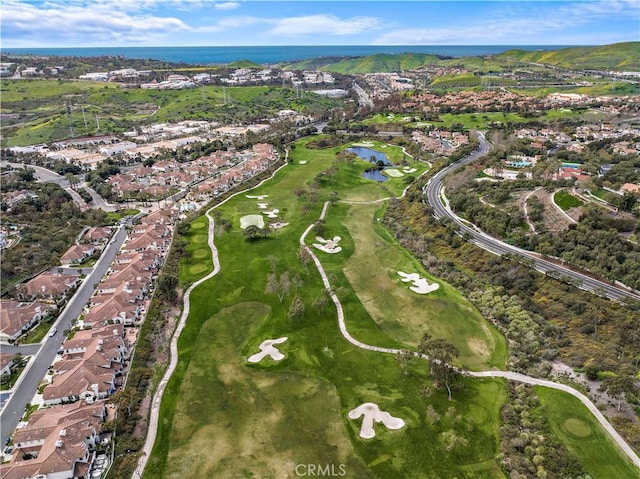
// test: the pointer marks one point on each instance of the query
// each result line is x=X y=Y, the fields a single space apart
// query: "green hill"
x=244 y=64
x=617 y=56
x=382 y=62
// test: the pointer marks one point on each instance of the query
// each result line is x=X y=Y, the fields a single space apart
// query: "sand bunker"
x=273 y=213
x=267 y=349
x=392 y=172
x=363 y=144
x=262 y=205
x=406 y=169
x=258 y=197
x=371 y=413
x=420 y=284
x=248 y=220
x=328 y=246
x=302 y=162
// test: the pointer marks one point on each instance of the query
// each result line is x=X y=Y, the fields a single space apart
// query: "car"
x=53 y=332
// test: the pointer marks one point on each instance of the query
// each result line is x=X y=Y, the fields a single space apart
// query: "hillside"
x=617 y=56
x=244 y=64
x=382 y=62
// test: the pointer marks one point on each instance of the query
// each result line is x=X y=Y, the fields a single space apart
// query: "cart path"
x=154 y=413
x=511 y=376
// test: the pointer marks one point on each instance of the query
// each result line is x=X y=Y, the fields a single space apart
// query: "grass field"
x=483 y=119
x=265 y=419
x=43 y=118
x=262 y=420
x=576 y=427
x=566 y=200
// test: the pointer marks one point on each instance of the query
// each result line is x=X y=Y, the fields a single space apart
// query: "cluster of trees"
x=595 y=243
x=48 y=225
x=528 y=448
x=552 y=320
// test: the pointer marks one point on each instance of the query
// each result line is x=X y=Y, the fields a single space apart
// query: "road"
x=47 y=176
x=363 y=98
x=36 y=369
x=98 y=201
x=433 y=192
x=511 y=376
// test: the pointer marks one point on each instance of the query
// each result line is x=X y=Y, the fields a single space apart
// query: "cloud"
x=522 y=22
x=322 y=24
x=80 y=23
x=226 y=6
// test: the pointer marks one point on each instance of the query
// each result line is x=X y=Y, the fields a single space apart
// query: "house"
x=49 y=286
x=114 y=310
x=97 y=236
x=57 y=442
x=16 y=318
x=6 y=363
x=631 y=188
x=77 y=254
x=82 y=380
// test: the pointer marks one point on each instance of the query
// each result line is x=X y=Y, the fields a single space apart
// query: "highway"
x=434 y=194
x=36 y=369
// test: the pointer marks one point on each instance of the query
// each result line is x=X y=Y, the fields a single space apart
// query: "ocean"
x=271 y=54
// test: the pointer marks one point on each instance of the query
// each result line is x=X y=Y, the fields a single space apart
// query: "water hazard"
x=375 y=157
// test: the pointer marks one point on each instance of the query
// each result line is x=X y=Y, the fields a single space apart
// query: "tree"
x=305 y=257
x=320 y=303
x=273 y=263
x=440 y=352
x=183 y=227
x=252 y=232
x=278 y=286
x=619 y=387
x=318 y=227
x=73 y=181
x=403 y=357
x=167 y=284
x=296 y=310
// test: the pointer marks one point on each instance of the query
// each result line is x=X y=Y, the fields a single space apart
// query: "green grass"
x=566 y=200
x=118 y=215
x=456 y=80
x=265 y=418
x=37 y=334
x=575 y=426
x=372 y=272
x=44 y=118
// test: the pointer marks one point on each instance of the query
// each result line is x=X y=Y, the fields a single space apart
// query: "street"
x=30 y=378
x=433 y=191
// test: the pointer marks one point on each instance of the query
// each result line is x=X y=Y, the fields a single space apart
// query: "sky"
x=99 y=23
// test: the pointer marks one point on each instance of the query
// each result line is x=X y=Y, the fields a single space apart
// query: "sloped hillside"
x=617 y=56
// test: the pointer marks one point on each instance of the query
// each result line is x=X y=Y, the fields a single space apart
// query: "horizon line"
x=329 y=45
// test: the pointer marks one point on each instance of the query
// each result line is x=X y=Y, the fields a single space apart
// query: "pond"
x=374 y=174
x=367 y=153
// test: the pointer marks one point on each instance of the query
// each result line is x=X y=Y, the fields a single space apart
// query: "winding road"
x=511 y=376
x=434 y=194
x=155 y=407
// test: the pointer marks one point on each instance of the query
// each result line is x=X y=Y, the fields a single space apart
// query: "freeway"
x=37 y=367
x=434 y=194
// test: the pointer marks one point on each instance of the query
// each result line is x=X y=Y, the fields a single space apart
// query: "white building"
x=117 y=148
